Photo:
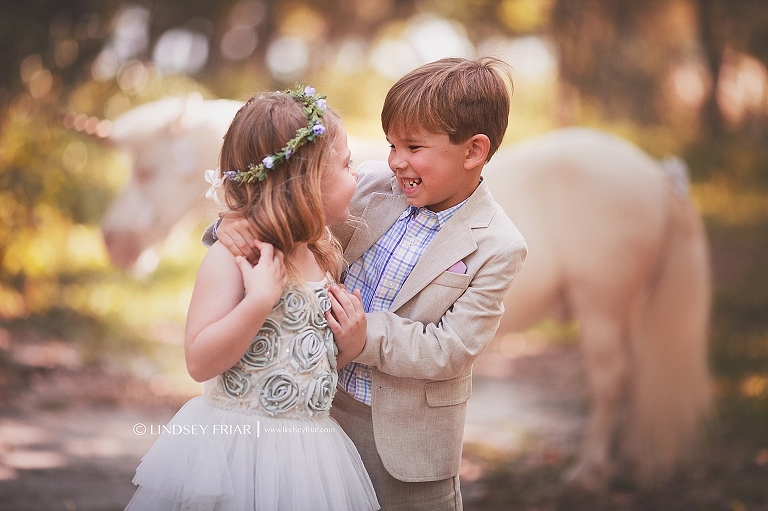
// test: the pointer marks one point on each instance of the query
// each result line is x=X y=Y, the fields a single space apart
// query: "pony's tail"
x=671 y=389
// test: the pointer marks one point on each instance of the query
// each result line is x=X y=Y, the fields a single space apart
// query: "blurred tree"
x=734 y=144
x=739 y=26
x=62 y=33
x=696 y=66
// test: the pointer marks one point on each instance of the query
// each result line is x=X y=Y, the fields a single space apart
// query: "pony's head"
x=171 y=142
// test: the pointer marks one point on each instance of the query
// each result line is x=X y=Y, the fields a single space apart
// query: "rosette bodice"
x=289 y=370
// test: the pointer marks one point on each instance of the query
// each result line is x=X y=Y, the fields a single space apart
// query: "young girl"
x=260 y=438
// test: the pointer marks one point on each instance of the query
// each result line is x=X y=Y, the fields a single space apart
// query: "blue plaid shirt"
x=380 y=273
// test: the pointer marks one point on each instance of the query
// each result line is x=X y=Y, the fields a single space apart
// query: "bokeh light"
x=288 y=58
x=424 y=38
x=531 y=57
x=742 y=87
x=180 y=51
x=130 y=37
x=248 y=13
x=239 y=42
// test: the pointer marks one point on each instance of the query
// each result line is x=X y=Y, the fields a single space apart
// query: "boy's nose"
x=396 y=163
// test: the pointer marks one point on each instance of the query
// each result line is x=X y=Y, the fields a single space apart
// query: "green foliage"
x=740 y=160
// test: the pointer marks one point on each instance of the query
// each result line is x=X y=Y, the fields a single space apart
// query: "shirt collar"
x=441 y=217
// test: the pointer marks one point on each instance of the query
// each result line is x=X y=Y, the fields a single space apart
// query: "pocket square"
x=458 y=267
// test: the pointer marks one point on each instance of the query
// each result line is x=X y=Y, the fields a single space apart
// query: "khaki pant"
x=394 y=495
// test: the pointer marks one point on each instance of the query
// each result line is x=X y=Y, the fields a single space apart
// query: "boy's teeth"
x=411 y=182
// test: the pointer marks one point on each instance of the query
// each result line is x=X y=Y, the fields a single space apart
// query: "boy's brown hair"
x=456 y=96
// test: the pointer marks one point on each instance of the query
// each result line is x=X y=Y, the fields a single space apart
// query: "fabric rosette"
x=296 y=310
x=317 y=319
x=330 y=348
x=265 y=346
x=279 y=392
x=235 y=382
x=322 y=299
x=320 y=392
x=308 y=349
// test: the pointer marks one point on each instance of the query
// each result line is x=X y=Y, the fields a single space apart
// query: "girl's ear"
x=478 y=147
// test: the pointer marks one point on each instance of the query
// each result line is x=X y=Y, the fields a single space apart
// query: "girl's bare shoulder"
x=219 y=262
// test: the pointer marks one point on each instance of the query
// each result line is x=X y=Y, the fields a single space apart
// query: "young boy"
x=433 y=256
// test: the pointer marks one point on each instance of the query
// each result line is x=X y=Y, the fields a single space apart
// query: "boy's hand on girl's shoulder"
x=267 y=279
x=347 y=322
x=238 y=235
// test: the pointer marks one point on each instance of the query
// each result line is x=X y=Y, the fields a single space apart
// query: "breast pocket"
x=448 y=287
x=429 y=305
x=451 y=279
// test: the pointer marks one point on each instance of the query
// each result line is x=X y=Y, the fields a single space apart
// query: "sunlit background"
x=680 y=77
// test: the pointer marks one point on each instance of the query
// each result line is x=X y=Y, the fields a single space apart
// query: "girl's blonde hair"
x=286 y=208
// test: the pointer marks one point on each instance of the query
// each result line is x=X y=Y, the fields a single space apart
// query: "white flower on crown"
x=214 y=178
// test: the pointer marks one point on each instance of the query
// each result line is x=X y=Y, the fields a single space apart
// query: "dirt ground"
x=69 y=440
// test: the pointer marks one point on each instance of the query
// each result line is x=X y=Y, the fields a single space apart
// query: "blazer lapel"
x=382 y=211
x=454 y=242
x=450 y=245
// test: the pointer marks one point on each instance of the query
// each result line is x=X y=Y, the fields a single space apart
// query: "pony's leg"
x=605 y=357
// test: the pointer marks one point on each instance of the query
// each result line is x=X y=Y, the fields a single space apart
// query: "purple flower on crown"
x=321 y=104
x=288 y=153
x=309 y=91
x=268 y=162
x=231 y=174
x=318 y=129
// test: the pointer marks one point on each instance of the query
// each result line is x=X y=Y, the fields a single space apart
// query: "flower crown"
x=314 y=107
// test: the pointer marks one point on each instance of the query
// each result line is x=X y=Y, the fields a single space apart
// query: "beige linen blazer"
x=423 y=347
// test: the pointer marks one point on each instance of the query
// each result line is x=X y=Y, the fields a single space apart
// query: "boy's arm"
x=235 y=233
x=209 y=238
x=446 y=348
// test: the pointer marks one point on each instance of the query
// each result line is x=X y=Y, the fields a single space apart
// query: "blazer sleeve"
x=207 y=238
x=445 y=349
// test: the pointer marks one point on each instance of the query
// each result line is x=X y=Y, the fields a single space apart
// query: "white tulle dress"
x=260 y=437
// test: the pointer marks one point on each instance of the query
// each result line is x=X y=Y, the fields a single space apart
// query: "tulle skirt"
x=208 y=458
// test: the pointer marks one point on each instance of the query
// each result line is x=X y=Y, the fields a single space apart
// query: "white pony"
x=615 y=243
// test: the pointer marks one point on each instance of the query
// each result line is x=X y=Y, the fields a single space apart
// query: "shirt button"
x=366 y=374
x=413 y=241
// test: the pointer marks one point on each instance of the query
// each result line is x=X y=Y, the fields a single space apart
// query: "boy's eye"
x=349 y=165
x=413 y=147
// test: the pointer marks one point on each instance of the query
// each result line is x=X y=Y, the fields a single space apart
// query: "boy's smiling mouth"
x=410 y=183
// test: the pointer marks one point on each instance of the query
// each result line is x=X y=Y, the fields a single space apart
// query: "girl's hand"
x=347 y=322
x=237 y=234
x=267 y=279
